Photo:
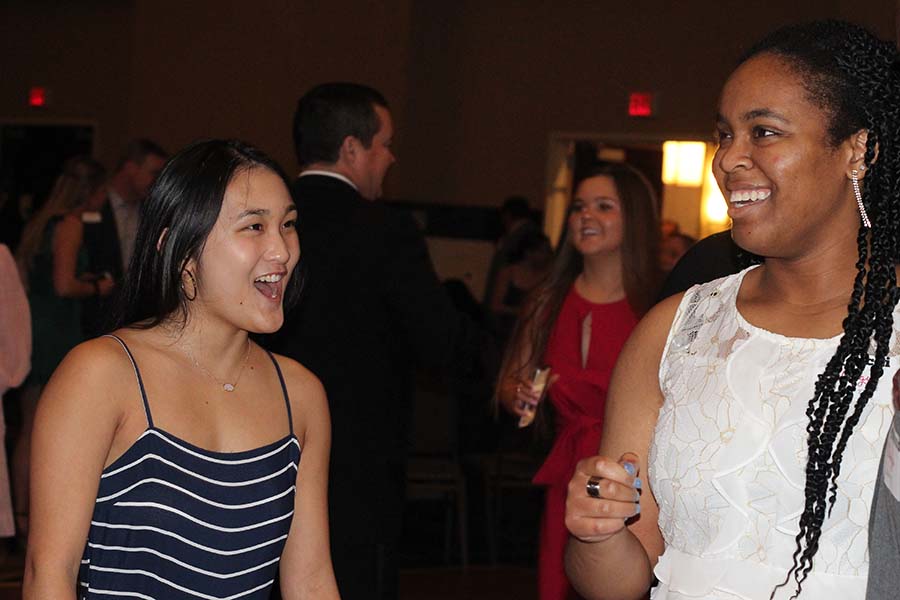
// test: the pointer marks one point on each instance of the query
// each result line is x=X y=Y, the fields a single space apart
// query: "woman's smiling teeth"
x=269 y=285
x=743 y=197
x=272 y=278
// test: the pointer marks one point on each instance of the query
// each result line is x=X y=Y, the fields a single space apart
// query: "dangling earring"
x=854 y=179
x=190 y=297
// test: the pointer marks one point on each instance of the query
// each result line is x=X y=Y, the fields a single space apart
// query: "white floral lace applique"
x=726 y=464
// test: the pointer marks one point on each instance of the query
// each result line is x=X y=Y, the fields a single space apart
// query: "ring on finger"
x=593 y=487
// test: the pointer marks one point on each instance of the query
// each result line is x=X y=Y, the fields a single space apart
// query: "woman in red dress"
x=603 y=279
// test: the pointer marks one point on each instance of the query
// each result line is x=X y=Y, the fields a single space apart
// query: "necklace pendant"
x=228 y=387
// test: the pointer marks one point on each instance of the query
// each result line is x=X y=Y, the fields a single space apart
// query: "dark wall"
x=82 y=52
x=495 y=78
x=476 y=87
x=229 y=68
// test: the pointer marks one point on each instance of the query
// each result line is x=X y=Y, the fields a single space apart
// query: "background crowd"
x=373 y=320
x=74 y=250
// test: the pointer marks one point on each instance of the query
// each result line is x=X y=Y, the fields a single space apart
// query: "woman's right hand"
x=519 y=398
x=614 y=498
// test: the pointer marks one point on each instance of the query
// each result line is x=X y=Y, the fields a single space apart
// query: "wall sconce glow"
x=714 y=209
x=683 y=163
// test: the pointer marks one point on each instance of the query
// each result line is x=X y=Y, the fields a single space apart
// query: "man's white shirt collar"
x=328 y=174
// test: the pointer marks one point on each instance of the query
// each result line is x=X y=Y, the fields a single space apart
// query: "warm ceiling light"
x=683 y=163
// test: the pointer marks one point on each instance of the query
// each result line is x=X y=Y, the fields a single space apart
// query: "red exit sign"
x=37 y=97
x=641 y=104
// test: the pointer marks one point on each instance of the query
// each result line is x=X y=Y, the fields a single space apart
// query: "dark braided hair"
x=855 y=79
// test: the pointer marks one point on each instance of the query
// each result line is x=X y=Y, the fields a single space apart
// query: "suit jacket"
x=101 y=240
x=371 y=308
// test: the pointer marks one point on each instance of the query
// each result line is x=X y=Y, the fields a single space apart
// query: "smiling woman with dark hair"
x=166 y=459
x=575 y=322
x=756 y=404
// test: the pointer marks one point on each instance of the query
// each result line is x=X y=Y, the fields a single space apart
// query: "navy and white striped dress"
x=173 y=521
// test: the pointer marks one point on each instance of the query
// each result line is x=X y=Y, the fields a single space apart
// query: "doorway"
x=691 y=208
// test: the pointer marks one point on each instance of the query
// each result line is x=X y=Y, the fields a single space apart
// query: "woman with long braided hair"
x=762 y=433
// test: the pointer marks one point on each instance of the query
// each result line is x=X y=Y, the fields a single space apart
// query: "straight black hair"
x=184 y=204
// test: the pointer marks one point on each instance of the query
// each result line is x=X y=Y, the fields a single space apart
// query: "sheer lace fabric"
x=729 y=451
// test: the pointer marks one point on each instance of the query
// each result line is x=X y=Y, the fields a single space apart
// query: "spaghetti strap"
x=137 y=374
x=287 y=400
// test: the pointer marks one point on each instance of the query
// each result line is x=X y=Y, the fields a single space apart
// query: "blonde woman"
x=52 y=264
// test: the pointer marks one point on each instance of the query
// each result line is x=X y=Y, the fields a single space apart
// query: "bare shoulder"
x=73 y=220
x=634 y=382
x=634 y=398
x=93 y=364
x=651 y=333
x=89 y=380
x=297 y=377
x=70 y=224
x=309 y=405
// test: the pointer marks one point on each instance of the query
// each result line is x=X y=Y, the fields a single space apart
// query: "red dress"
x=578 y=398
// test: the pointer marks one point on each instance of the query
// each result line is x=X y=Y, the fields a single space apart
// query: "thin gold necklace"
x=228 y=387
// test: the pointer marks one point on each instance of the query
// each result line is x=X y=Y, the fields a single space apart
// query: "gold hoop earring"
x=190 y=297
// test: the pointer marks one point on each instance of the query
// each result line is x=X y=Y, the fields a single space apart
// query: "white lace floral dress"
x=727 y=461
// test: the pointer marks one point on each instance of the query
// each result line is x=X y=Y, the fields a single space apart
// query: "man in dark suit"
x=372 y=307
x=109 y=236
